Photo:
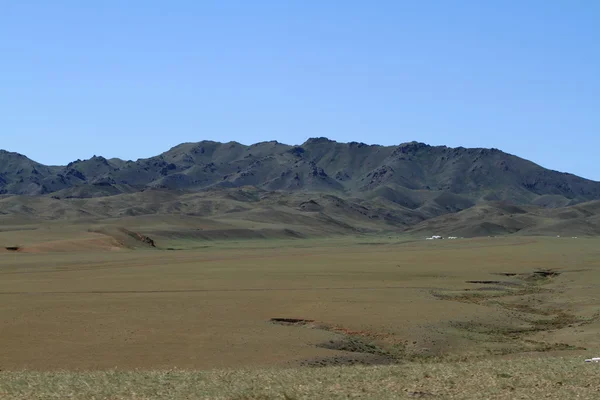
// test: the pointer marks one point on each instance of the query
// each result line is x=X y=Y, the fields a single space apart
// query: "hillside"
x=406 y=174
x=169 y=216
x=496 y=218
x=317 y=189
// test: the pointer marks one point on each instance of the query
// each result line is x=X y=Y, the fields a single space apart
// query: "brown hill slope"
x=246 y=213
x=495 y=218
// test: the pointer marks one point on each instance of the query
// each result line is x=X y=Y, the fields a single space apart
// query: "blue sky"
x=131 y=79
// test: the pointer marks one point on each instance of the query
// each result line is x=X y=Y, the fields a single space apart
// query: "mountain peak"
x=320 y=164
x=318 y=140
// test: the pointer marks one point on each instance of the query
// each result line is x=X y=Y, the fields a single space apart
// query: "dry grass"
x=542 y=378
x=211 y=308
x=142 y=324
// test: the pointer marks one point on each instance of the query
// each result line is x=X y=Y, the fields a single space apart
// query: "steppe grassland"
x=211 y=307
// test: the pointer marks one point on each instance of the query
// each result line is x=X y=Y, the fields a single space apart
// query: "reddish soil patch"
x=92 y=242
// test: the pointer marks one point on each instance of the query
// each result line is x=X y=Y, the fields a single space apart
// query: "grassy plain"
x=558 y=378
x=432 y=310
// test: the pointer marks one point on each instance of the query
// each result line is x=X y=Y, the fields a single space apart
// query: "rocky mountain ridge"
x=401 y=174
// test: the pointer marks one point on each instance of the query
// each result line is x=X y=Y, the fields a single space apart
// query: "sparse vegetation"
x=329 y=308
x=335 y=302
x=373 y=200
x=540 y=378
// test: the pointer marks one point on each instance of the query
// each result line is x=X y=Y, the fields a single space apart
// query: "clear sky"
x=133 y=78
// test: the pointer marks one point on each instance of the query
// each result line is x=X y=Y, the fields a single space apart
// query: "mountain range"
x=321 y=185
x=318 y=165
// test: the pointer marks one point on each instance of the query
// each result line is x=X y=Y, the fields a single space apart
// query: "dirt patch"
x=504 y=340
x=85 y=243
x=291 y=321
x=139 y=237
x=347 y=360
x=421 y=395
x=487 y=289
x=540 y=275
x=368 y=346
x=492 y=285
x=364 y=351
x=497 y=283
x=546 y=273
x=526 y=309
x=353 y=344
x=514 y=297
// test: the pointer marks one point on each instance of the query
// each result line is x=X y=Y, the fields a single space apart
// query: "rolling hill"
x=321 y=187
